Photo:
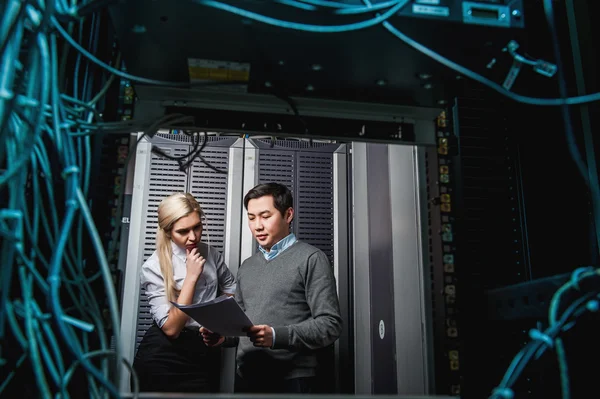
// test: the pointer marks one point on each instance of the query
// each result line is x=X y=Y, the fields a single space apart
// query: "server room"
x=287 y=198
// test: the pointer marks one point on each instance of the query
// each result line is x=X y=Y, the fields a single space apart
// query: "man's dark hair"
x=282 y=196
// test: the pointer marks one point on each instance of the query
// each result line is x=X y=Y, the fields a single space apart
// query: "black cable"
x=196 y=152
x=183 y=166
x=205 y=162
x=201 y=158
x=191 y=156
x=160 y=152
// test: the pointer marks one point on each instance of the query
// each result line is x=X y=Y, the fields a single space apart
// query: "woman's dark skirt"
x=184 y=364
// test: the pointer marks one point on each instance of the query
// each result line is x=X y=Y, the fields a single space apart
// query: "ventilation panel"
x=307 y=169
x=209 y=186
x=165 y=179
x=277 y=166
x=294 y=144
x=314 y=200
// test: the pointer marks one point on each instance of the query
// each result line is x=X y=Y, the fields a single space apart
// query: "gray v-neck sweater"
x=295 y=293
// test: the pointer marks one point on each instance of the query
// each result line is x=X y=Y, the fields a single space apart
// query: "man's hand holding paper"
x=261 y=336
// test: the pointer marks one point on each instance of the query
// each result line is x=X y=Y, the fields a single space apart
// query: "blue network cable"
x=54 y=310
x=297 y=4
x=366 y=9
x=397 y=5
x=330 y=4
x=550 y=338
x=44 y=130
x=383 y=19
x=42 y=254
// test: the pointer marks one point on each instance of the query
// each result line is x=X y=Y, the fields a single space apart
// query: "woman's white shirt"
x=215 y=278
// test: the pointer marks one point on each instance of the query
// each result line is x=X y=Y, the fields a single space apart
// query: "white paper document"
x=222 y=315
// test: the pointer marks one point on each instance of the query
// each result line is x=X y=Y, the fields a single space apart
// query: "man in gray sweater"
x=288 y=290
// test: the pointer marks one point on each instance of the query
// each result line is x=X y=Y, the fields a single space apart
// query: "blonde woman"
x=172 y=356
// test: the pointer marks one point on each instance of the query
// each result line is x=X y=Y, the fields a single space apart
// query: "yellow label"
x=201 y=70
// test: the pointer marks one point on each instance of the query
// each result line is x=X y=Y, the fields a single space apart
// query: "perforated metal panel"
x=207 y=185
x=210 y=189
x=165 y=179
x=307 y=170
x=277 y=166
x=314 y=200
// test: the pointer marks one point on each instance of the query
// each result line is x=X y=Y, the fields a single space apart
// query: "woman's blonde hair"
x=170 y=210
